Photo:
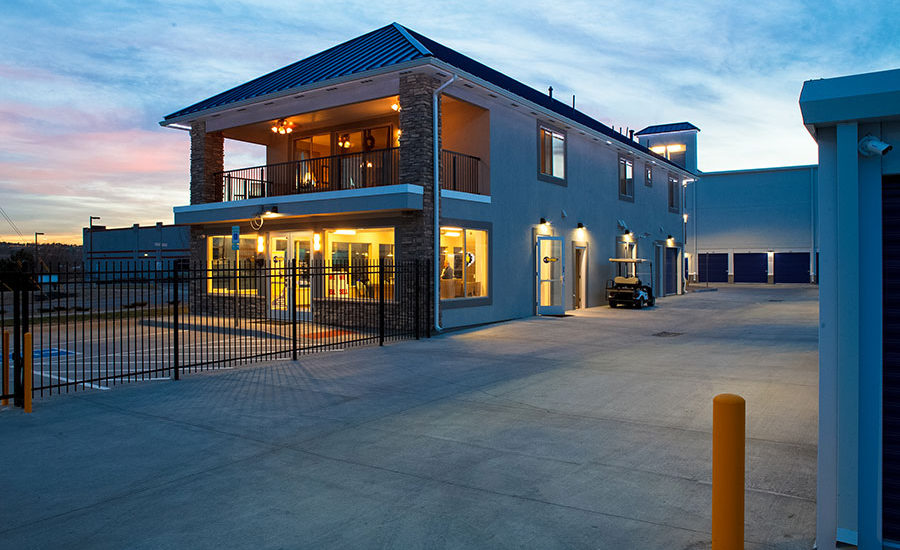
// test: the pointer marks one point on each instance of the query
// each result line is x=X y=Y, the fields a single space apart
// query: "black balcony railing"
x=334 y=173
x=460 y=172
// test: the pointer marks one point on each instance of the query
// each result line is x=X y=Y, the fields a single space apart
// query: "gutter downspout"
x=437 y=203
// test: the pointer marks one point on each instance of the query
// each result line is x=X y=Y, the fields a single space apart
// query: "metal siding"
x=792 y=267
x=751 y=268
x=712 y=268
x=891 y=358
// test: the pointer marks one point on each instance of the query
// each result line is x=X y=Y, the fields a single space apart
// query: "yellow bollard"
x=728 y=472
x=26 y=376
x=5 y=388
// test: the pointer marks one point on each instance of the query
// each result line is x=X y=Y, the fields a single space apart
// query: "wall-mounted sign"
x=235 y=237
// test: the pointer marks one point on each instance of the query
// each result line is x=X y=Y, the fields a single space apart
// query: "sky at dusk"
x=83 y=85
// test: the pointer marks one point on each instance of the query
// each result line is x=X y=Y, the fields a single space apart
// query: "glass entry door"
x=285 y=248
x=550 y=275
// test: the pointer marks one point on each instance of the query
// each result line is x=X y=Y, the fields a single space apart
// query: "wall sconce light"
x=544 y=221
x=344 y=142
x=270 y=212
x=670 y=238
x=580 y=225
x=282 y=127
x=684 y=217
x=627 y=232
x=395 y=106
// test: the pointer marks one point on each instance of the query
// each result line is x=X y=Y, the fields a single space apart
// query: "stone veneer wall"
x=207 y=158
x=415 y=229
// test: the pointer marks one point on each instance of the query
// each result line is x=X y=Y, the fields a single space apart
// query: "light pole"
x=91 y=240
x=37 y=263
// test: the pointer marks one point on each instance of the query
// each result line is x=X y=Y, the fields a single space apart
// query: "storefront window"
x=356 y=254
x=464 y=263
x=231 y=270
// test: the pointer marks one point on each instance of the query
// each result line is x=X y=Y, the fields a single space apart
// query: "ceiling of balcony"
x=306 y=123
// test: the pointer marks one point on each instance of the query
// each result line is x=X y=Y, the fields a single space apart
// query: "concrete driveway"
x=589 y=431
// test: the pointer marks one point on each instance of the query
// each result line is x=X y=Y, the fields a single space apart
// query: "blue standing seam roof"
x=391 y=45
x=663 y=128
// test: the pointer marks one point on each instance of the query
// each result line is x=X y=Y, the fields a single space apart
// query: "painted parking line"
x=69 y=380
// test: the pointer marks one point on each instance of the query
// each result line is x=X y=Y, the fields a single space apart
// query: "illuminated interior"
x=222 y=262
x=356 y=253
x=464 y=263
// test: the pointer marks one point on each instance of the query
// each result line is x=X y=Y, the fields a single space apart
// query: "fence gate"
x=126 y=322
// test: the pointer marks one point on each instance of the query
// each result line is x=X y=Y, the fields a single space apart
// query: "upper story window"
x=674 y=194
x=626 y=178
x=674 y=152
x=552 y=150
x=648 y=175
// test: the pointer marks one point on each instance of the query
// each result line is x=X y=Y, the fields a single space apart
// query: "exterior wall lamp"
x=580 y=225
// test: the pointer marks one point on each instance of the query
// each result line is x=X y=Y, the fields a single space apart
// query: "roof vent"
x=550 y=92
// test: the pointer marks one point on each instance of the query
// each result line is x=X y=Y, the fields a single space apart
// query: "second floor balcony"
x=377 y=168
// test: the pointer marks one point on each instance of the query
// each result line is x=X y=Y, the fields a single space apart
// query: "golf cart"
x=626 y=288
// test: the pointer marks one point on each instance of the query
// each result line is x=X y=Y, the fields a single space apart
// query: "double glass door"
x=284 y=249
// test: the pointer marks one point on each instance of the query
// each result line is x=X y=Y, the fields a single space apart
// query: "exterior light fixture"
x=317 y=242
x=544 y=221
x=344 y=142
x=670 y=238
x=260 y=244
x=395 y=106
x=580 y=225
x=628 y=232
x=684 y=217
x=282 y=127
x=345 y=232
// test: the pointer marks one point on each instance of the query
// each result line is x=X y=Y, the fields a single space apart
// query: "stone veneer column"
x=415 y=230
x=207 y=158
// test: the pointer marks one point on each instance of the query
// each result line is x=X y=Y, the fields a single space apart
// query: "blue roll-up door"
x=671 y=271
x=751 y=268
x=890 y=319
x=791 y=267
x=712 y=268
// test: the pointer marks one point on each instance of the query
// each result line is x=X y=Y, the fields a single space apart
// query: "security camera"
x=870 y=146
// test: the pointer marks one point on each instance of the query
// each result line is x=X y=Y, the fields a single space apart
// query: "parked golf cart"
x=626 y=288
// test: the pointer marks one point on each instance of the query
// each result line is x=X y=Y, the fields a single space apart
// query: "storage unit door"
x=751 y=268
x=792 y=267
x=890 y=437
x=671 y=271
x=712 y=268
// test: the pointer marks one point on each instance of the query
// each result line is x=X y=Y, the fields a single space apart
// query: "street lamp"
x=91 y=240
x=36 y=259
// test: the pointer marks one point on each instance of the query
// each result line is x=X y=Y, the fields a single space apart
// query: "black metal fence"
x=128 y=323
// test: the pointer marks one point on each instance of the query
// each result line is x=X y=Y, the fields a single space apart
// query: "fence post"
x=381 y=303
x=292 y=303
x=175 y=329
x=17 y=348
x=28 y=354
x=5 y=389
x=728 y=472
x=416 y=283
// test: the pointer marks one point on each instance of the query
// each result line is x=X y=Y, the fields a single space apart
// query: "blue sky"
x=83 y=85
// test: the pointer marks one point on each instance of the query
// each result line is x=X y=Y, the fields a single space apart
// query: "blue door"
x=671 y=271
x=751 y=268
x=792 y=267
x=712 y=268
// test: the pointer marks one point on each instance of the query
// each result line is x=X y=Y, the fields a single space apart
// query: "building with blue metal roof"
x=393 y=147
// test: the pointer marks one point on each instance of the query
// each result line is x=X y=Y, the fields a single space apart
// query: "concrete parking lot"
x=587 y=431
